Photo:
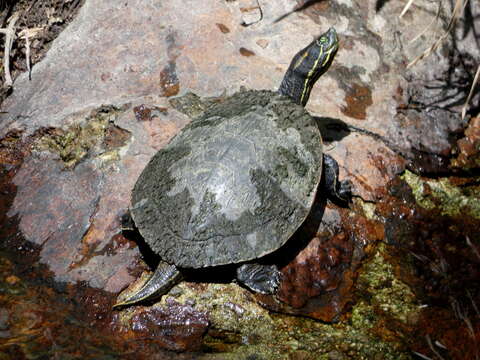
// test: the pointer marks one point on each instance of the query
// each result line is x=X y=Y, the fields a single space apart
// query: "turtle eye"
x=322 y=41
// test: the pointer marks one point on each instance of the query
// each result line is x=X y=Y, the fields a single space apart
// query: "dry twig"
x=465 y=106
x=28 y=34
x=405 y=9
x=459 y=6
x=9 y=36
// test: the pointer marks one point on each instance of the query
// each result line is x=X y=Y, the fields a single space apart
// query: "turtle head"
x=308 y=65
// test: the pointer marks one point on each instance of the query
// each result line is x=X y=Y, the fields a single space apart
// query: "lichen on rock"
x=442 y=194
x=96 y=136
x=386 y=293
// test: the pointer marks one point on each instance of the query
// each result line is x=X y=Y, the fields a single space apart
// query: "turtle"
x=235 y=183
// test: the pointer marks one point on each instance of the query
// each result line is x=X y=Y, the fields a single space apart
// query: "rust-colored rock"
x=319 y=281
x=438 y=257
x=453 y=333
x=469 y=147
x=358 y=99
x=443 y=250
x=142 y=113
x=177 y=327
x=316 y=270
x=169 y=83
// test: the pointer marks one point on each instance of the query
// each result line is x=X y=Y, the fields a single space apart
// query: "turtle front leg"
x=163 y=279
x=336 y=189
x=259 y=278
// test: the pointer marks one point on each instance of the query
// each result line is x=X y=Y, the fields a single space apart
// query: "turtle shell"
x=233 y=185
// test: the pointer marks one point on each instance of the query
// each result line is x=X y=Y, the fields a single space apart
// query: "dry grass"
x=405 y=9
x=9 y=36
x=457 y=11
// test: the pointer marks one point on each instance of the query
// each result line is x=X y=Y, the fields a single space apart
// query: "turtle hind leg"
x=259 y=278
x=337 y=190
x=163 y=279
x=126 y=221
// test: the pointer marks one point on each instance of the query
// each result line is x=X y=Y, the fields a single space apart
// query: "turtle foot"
x=344 y=191
x=259 y=278
x=163 y=279
x=126 y=221
x=340 y=191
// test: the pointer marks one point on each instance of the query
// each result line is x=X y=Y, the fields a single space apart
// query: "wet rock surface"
x=319 y=281
x=177 y=327
x=393 y=275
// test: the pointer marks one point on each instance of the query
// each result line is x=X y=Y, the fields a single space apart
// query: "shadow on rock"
x=332 y=129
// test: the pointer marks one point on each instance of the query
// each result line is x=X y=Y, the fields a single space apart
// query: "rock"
x=177 y=327
x=316 y=283
x=319 y=281
x=469 y=147
x=251 y=12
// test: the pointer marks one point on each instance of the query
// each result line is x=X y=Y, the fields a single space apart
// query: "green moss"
x=230 y=310
x=385 y=293
x=368 y=208
x=78 y=141
x=241 y=329
x=450 y=199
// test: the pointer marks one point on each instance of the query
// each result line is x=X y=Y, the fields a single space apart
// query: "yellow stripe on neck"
x=309 y=76
x=306 y=86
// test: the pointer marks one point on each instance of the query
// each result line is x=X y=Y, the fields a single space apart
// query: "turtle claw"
x=163 y=279
x=263 y=279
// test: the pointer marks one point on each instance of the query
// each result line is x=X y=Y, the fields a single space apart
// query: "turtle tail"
x=163 y=279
